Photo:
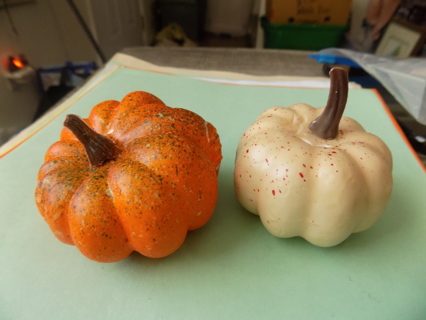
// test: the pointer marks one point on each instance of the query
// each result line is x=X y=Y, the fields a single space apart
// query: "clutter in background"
x=188 y=14
x=15 y=63
x=173 y=35
x=405 y=79
x=17 y=71
x=305 y=25
x=56 y=82
x=202 y=20
x=323 y=12
x=390 y=28
x=302 y=36
x=379 y=12
x=231 y=18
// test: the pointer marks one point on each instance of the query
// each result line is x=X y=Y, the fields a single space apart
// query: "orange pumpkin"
x=135 y=175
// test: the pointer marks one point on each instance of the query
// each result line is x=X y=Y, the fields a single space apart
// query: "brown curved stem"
x=326 y=126
x=99 y=148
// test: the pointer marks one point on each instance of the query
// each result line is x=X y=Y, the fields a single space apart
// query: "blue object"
x=356 y=75
x=333 y=59
x=85 y=67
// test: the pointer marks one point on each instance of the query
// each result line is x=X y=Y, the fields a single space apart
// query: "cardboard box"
x=333 y=12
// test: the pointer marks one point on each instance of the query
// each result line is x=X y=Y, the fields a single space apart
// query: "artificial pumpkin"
x=309 y=172
x=136 y=175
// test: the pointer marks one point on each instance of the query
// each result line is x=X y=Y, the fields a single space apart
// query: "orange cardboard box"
x=332 y=12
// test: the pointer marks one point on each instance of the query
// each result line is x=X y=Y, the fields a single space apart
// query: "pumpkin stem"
x=99 y=148
x=326 y=126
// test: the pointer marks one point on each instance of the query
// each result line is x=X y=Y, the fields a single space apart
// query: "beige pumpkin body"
x=302 y=185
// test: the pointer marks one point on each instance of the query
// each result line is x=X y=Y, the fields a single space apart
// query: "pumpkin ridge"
x=57 y=162
x=65 y=148
x=100 y=117
x=134 y=126
x=97 y=233
x=158 y=203
x=199 y=164
x=52 y=215
x=195 y=131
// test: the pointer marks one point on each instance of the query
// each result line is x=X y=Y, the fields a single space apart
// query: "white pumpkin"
x=309 y=172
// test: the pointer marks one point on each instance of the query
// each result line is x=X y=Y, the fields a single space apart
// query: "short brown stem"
x=99 y=148
x=326 y=126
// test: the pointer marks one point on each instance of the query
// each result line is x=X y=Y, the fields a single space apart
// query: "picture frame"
x=400 y=40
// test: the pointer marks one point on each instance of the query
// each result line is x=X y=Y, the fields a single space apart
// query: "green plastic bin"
x=301 y=36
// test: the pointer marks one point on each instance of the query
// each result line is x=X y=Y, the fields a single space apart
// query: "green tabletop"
x=231 y=268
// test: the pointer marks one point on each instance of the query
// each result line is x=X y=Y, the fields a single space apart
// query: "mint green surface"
x=232 y=268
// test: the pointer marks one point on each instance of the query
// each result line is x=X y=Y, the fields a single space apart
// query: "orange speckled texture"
x=162 y=183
